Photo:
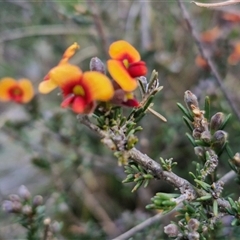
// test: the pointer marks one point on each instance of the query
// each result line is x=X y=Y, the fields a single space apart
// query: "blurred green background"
x=44 y=147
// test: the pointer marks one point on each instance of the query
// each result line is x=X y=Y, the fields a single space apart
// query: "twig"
x=94 y=206
x=145 y=25
x=131 y=18
x=99 y=25
x=140 y=227
x=183 y=185
x=37 y=30
x=206 y=56
x=187 y=190
x=46 y=229
x=219 y=4
x=228 y=176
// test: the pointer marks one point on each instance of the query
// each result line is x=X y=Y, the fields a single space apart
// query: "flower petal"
x=63 y=74
x=27 y=88
x=98 y=85
x=78 y=105
x=121 y=75
x=46 y=86
x=69 y=53
x=67 y=101
x=5 y=85
x=137 y=69
x=131 y=103
x=121 y=50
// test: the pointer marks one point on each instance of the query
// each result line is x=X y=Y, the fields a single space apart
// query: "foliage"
x=111 y=161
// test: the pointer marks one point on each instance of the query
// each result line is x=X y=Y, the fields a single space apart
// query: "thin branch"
x=94 y=207
x=206 y=56
x=99 y=25
x=228 y=176
x=187 y=190
x=219 y=4
x=140 y=227
x=145 y=25
x=41 y=30
x=183 y=185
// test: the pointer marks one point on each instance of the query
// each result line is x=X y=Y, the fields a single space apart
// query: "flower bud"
x=206 y=136
x=219 y=138
x=190 y=99
x=119 y=96
x=144 y=83
x=14 y=198
x=196 y=133
x=56 y=227
x=7 y=206
x=37 y=201
x=27 y=210
x=171 y=230
x=24 y=193
x=17 y=207
x=193 y=224
x=193 y=236
x=216 y=121
x=97 y=65
x=236 y=160
x=199 y=151
x=47 y=221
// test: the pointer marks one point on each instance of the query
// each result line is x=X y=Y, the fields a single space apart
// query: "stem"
x=206 y=56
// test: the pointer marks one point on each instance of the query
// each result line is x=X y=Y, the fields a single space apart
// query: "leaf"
x=225 y=121
x=188 y=123
x=185 y=111
x=41 y=163
x=191 y=139
x=215 y=207
x=207 y=108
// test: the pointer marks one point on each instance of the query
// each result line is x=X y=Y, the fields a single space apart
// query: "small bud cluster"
x=31 y=212
x=208 y=137
x=23 y=203
x=188 y=231
x=163 y=201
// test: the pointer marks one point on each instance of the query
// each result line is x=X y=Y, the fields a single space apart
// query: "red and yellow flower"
x=125 y=65
x=18 y=91
x=122 y=98
x=80 y=90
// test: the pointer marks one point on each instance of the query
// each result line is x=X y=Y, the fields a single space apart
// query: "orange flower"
x=231 y=17
x=125 y=65
x=50 y=83
x=211 y=35
x=18 y=91
x=234 y=58
x=81 y=93
x=201 y=62
x=80 y=90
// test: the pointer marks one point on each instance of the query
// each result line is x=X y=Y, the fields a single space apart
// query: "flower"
x=50 y=83
x=80 y=90
x=122 y=98
x=211 y=35
x=81 y=93
x=201 y=62
x=18 y=91
x=231 y=17
x=125 y=65
x=234 y=57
